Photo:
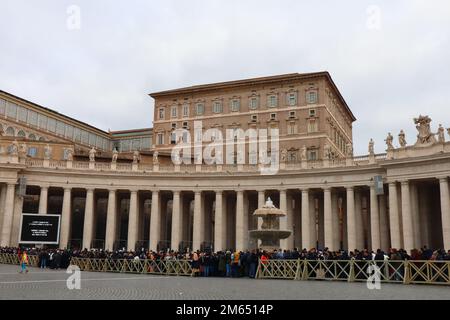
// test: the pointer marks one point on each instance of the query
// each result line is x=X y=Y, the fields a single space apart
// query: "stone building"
x=122 y=189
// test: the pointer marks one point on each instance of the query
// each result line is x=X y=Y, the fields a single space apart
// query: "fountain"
x=270 y=233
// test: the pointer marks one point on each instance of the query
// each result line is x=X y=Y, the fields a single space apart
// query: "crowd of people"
x=223 y=263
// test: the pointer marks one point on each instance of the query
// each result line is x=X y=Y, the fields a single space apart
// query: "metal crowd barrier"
x=393 y=271
x=161 y=267
x=11 y=258
x=406 y=272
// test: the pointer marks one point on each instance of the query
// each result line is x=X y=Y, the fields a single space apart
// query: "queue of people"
x=219 y=264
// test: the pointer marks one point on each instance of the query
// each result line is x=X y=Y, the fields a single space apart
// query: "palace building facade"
x=122 y=189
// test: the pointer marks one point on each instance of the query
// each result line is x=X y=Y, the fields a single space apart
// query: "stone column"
x=111 y=216
x=177 y=220
x=328 y=219
x=445 y=211
x=374 y=219
x=359 y=220
x=416 y=216
x=240 y=222
x=18 y=208
x=408 y=236
x=335 y=219
x=198 y=228
x=384 y=224
x=424 y=214
x=155 y=221
x=219 y=243
x=306 y=221
x=43 y=198
x=261 y=202
x=133 y=221
x=394 y=221
x=351 y=219
x=88 y=229
x=2 y=204
x=66 y=218
x=8 y=215
x=283 y=220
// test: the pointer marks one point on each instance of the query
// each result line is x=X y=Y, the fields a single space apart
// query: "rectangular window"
x=272 y=101
x=84 y=137
x=273 y=116
x=186 y=110
x=135 y=144
x=161 y=113
x=312 y=155
x=32 y=118
x=311 y=97
x=32 y=152
x=77 y=134
x=235 y=105
x=217 y=107
x=185 y=125
x=253 y=103
x=60 y=126
x=92 y=139
x=292 y=99
x=125 y=145
x=51 y=125
x=174 y=111
x=291 y=114
x=254 y=118
x=2 y=106
x=146 y=143
x=22 y=114
x=199 y=108
x=11 y=110
x=312 y=125
x=42 y=121
x=69 y=131
x=312 y=112
x=160 y=138
x=173 y=138
x=292 y=128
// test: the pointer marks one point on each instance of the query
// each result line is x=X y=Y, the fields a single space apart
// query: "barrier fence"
x=10 y=258
x=406 y=272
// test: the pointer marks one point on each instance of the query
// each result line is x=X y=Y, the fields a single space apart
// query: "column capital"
x=326 y=188
x=392 y=183
x=350 y=188
x=44 y=186
x=176 y=192
x=134 y=191
x=67 y=188
x=90 y=189
x=112 y=190
x=218 y=192
x=442 y=179
x=404 y=182
x=304 y=190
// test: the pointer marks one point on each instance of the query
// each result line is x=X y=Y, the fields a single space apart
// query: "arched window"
x=32 y=136
x=21 y=134
x=10 y=132
x=41 y=139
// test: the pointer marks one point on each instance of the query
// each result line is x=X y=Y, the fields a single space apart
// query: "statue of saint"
x=402 y=139
x=389 y=140
x=283 y=155
x=115 y=155
x=136 y=156
x=92 y=153
x=326 y=151
x=304 y=154
x=69 y=154
x=441 y=134
x=423 y=127
x=47 y=152
x=14 y=148
x=349 y=150
x=371 y=147
x=155 y=158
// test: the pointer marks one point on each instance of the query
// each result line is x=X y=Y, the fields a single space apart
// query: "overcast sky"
x=390 y=59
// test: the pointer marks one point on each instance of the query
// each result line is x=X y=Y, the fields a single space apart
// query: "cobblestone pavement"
x=49 y=284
